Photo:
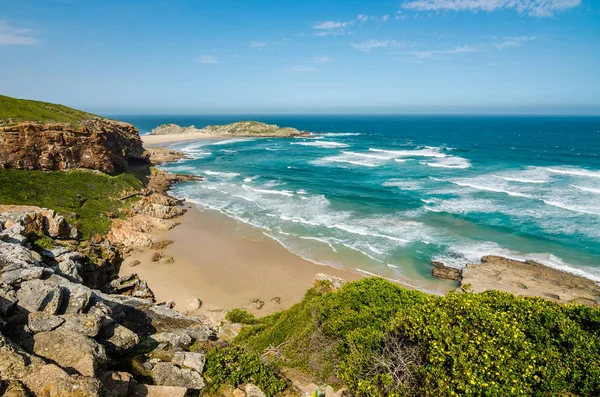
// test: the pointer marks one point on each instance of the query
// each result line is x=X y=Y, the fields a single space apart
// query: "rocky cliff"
x=99 y=144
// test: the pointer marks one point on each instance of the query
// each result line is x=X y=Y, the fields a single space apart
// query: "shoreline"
x=226 y=263
x=150 y=141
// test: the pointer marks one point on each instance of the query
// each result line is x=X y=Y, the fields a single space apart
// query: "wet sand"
x=226 y=263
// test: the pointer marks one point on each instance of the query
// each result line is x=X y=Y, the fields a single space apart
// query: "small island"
x=240 y=128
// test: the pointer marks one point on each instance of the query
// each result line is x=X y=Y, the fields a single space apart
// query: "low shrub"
x=234 y=366
x=240 y=316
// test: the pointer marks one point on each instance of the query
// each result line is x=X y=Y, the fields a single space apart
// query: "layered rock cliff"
x=99 y=144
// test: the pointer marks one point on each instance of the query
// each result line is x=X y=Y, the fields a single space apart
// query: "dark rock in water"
x=440 y=270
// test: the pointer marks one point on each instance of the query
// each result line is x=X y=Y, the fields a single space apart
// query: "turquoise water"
x=386 y=195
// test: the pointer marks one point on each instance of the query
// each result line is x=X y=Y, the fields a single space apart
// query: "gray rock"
x=158 y=391
x=43 y=322
x=178 y=338
x=40 y=295
x=68 y=269
x=83 y=324
x=253 y=391
x=71 y=350
x=194 y=304
x=190 y=360
x=167 y=374
x=18 y=255
x=75 y=296
x=16 y=274
x=336 y=282
x=8 y=299
x=117 y=384
x=118 y=339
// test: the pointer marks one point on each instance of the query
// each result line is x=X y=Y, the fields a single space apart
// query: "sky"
x=309 y=56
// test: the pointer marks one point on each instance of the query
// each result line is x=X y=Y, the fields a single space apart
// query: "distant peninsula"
x=238 y=129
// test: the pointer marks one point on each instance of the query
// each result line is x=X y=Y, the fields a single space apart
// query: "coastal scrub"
x=382 y=340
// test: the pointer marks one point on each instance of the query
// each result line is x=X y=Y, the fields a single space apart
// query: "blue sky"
x=310 y=56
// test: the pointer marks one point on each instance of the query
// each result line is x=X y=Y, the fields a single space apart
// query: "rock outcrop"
x=97 y=144
x=61 y=337
x=527 y=278
x=240 y=129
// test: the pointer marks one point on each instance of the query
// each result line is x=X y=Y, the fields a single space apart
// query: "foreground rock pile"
x=61 y=337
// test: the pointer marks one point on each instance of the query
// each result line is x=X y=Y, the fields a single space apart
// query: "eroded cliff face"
x=98 y=144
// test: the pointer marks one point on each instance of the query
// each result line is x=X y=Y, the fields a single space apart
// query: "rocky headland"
x=238 y=129
x=527 y=278
x=98 y=144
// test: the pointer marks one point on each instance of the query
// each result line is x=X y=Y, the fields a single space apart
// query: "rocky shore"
x=527 y=278
x=239 y=129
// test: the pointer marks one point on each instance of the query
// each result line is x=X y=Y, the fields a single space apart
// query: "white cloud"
x=332 y=25
x=369 y=45
x=537 y=8
x=14 y=36
x=514 y=41
x=259 y=44
x=362 y=18
x=385 y=18
x=420 y=56
x=207 y=59
x=302 y=69
x=320 y=60
x=332 y=28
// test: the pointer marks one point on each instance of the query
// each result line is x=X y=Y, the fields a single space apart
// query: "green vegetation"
x=250 y=128
x=13 y=110
x=240 y=316
x=83 y=197
x=43 y=242
x=382 y=340
x=234 y=366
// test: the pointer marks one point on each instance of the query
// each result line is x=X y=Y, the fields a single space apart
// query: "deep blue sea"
x=388 y=194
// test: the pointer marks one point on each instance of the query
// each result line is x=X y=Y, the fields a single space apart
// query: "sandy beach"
x=154 y=140
x=226 y=263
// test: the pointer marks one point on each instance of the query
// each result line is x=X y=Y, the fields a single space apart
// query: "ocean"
x=386 y=195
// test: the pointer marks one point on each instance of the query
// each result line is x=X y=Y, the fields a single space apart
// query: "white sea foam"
x=400 y=160
x=272 y=149
x=521 y=180
x=322 y=144
x=495 y=189
x=574 y=172
x=587 y=189
x=251 y=178
x=266 y=191
x=383 y=156
x=233 y=140
x=431 y=152
x=339 y=134
x=449 y=162
x=221 y=174
x=407 y=184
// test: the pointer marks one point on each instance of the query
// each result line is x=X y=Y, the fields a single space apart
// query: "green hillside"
x=13 y=110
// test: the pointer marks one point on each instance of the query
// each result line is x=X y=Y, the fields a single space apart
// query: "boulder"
x=68 y=269
x=178 y=338
x=39 y=295
x=8 y=299
x=158 y=391
x=130 y=284
x=16 y=363
x=117 y=384
x=43 y=322
x=75 y=296
x=74 y=352
x=16 y=274
x=336 y=282
x=253 y=391
x=88 y=325
x=190 y=360
x=52 y=381
x=118 y=339
x=167 y=374
x=14 y=389
x=440 y=270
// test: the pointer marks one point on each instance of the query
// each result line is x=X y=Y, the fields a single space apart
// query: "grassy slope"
x=88 y=194
x=489 y=344
x=19 y=110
